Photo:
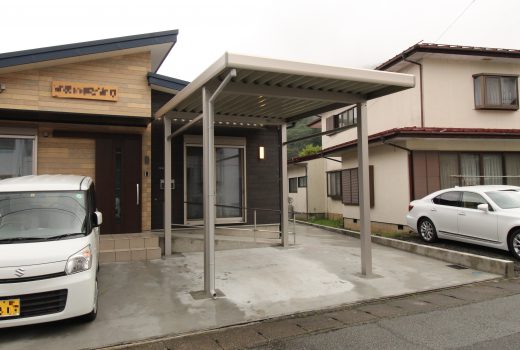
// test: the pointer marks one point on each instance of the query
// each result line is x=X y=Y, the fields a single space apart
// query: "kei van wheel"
x=513 y=242
x=91 y=316
x=427 y=230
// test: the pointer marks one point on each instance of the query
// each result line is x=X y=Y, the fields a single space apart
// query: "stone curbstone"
x=473 y=261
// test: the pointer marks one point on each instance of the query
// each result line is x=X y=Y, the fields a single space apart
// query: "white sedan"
x=483 y=215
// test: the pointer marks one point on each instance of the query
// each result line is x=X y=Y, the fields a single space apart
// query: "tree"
x=300 y=129
x=308 y=150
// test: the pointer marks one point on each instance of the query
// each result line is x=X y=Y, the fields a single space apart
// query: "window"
x=229 y=173
x=471 y=200
x=17 y=156
x=469 y=169
x=302 y=181
x=334 y=184
x=350 y=186
x=293 y=185
x=451 y=199
x=496 y=91
x=345 y=118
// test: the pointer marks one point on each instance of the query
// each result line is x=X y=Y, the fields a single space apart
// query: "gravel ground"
x=467 y=248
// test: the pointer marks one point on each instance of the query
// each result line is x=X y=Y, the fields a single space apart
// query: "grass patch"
x=395 y=234
x=327 y=222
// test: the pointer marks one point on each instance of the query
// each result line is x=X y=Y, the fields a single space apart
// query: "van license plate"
x=9 y=308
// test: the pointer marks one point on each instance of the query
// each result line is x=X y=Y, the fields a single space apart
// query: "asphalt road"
x=489 y=324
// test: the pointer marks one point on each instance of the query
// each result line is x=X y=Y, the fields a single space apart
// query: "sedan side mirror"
x=483 y=207
x=97 y=219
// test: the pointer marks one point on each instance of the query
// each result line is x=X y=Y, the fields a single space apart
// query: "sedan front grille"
x=39 y=304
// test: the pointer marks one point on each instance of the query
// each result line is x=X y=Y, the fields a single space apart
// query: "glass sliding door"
x=229 y=173
x=16 y=156
x=194 y=183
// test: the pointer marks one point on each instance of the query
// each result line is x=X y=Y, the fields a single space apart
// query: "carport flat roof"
x=270 y=91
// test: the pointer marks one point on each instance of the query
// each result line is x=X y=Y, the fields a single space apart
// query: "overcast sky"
x=360 y=33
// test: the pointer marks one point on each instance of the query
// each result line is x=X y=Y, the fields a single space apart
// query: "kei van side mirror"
x=97 y=219
x=483 y=207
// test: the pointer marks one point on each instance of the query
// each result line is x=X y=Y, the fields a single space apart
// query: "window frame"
x=294 y=188
x=301 y=179
x=480 y=154
x=31 y=136
x=220 y=142
x=336 y=195
x=481 y=79
x=356 y=188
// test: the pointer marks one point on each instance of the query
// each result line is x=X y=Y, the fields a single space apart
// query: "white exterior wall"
x=298 y=199
x=316 y=185
x=449 y=99
x=391 y=184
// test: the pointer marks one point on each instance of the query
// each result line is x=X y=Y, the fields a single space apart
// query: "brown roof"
x=414 y=132
x=450 y=49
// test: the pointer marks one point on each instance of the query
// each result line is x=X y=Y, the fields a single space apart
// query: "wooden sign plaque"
x=87 y=91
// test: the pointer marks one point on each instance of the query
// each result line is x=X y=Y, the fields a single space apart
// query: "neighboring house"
x=460 y=125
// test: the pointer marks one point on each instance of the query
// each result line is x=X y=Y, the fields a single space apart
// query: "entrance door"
x=118 y=183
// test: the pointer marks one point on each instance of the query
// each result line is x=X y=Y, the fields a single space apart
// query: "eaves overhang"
x=158 y=43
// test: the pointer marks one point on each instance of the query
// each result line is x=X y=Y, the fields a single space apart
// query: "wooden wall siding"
x=426 y=173
x=73 y=156
x=31 y=89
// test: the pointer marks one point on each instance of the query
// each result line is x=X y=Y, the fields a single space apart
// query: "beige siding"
x=66 y=156
x=31 y=89
x=449 y=99
x=391 y=184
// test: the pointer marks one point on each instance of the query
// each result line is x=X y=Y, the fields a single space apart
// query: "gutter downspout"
x=420 y=86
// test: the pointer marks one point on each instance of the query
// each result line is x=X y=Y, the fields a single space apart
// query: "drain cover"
x=457 y=267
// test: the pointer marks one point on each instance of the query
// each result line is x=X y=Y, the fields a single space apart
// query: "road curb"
x=482 y=263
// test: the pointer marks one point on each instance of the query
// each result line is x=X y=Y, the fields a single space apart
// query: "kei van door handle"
x=137 y=192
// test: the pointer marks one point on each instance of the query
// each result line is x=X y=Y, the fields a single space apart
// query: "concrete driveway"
x=149 y=299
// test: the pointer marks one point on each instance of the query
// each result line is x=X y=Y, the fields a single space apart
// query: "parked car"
x=49 y=239
x=483 y=215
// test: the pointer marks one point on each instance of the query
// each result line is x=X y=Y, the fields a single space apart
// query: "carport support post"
x=208 y=161
x=364 y=190
x=285 y=189
x=167 y=187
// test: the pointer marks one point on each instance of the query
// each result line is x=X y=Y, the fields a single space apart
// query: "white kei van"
x=49 y=244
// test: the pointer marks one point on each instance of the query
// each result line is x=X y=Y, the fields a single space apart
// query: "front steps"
x=129 y=247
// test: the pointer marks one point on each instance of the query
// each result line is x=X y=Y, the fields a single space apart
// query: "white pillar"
x=364 y=190
x=284 y=189
x=208 y=167
x=167 y=187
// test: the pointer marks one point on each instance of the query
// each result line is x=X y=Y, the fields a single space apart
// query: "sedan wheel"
x=427 y=230
x=514 y=244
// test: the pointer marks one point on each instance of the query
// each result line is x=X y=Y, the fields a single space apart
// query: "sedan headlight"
x=81 y=261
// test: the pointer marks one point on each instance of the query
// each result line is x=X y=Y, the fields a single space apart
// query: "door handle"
x=462 y=213
x=433 y=209
x=137 y=191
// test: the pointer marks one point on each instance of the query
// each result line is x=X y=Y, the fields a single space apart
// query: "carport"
x=251 y=90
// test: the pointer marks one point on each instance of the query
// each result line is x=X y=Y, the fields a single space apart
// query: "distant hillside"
x=301 y=129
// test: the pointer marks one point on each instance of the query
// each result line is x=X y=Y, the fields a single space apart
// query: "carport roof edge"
x=322 y=87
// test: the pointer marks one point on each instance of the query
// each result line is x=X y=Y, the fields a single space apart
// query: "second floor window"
x=496 y=91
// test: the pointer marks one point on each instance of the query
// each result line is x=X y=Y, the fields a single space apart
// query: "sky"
x=362 y=33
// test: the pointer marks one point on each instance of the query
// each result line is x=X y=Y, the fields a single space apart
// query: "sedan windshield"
x=39 y=216
x=506 y=199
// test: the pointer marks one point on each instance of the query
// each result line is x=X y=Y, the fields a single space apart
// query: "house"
x=460 y=125
x=86 y=109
